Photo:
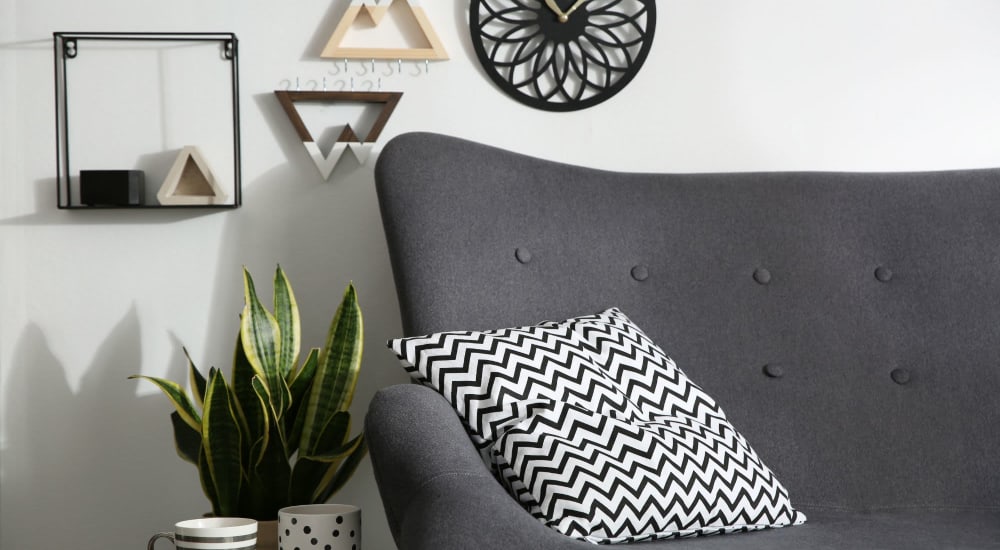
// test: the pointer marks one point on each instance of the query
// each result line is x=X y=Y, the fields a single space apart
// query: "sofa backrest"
x=848 y=323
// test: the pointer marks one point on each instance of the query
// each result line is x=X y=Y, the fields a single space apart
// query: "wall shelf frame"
x=182 y=77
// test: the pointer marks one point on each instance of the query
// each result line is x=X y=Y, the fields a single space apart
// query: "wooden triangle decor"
x=377 y=9
x=348 y=139
x=190 y=181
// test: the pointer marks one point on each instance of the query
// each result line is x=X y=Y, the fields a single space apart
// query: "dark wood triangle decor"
x=348 y=138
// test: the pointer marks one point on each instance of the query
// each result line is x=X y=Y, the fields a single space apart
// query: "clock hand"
x=563 y=16
x=573 y=9
x=558 y=11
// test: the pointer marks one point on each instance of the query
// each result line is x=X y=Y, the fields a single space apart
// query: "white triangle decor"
x=190 y=181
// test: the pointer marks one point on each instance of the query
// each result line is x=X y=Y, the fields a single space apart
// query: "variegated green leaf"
x=178 y=398
x=310 y=472
x=339 y=453
x=333 y=435
x=207 y=485
x=187 y=440
x=261 y=338
x=337 y=373
x=304 y=479
x=303 y=377
x=250 y=415
x=197 y=380
x=341 y=474
x=286 y=311
x=299 y=387
x=344 y=347
x=266 y=490
x=260 y=390
x=222 y=445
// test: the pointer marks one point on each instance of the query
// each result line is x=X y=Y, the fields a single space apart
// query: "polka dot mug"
x=319 y=527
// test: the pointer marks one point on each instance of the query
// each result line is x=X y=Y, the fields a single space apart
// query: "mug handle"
x=152 y=541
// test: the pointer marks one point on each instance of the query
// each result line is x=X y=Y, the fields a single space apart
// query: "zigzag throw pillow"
x=514 y=379
x=641 y=369
x=495 y=378
x=607 y=480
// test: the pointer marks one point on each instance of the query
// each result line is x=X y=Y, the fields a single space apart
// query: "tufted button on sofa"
x=848 y=323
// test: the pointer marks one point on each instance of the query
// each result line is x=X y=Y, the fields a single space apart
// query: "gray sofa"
x=848 y=324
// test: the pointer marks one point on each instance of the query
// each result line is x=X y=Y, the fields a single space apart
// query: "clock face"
x=562 y=55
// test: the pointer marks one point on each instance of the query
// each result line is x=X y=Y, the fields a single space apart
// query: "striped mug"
x=211 y=534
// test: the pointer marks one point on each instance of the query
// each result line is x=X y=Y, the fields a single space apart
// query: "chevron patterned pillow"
x=495 y=378
x=599 y=378
x=610 y=480
x=601 y=362
x=642 y=370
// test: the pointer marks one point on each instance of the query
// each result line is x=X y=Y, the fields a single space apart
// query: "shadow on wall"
x=83 y=457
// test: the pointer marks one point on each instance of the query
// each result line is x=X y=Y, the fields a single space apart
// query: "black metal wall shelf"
x=72 y=47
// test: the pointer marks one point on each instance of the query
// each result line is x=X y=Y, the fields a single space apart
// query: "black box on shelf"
x=112 y=187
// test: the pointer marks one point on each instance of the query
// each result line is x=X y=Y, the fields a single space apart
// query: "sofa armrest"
x=436 y=490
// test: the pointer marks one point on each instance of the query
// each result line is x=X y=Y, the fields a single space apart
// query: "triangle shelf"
x=377 y=9
x=348 y=138
x=190 y=181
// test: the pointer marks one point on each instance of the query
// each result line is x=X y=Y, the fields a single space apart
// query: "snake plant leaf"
x=261 y=338
x=344 y=347
x=187 y=440
x=207 y=486
x=251 y=417
x=341 y=452
x=299 y=386
x=260 y=391
x=222 y=444
x=343 y=473
x=286 y=311
x=333 y=435
x=306 y=474
x=303 y=377
x=266 y=490
x=197 y=380
x=310 y=471
x=337 y=373
x=175 y=393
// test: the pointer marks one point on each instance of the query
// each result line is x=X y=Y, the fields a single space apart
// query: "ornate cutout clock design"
x=562 y=55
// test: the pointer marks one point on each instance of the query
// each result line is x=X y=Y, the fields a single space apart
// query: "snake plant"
x=278 y=433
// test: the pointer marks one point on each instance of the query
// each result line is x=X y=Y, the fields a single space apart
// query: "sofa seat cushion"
x=890 y=529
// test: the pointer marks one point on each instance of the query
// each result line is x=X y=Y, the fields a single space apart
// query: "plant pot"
x=328 y=526
x=267 y=535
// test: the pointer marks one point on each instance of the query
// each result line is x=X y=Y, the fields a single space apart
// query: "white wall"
x=87 y=298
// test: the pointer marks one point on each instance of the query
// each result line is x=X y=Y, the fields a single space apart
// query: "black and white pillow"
x=641 y=369
x=604 y=370
x=610 y=480
x=495 y=378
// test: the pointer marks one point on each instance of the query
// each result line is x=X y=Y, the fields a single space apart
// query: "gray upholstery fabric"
x=848 y=324
x=438 y=494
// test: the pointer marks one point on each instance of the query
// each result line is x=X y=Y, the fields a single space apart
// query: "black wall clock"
x=562 y=55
